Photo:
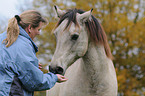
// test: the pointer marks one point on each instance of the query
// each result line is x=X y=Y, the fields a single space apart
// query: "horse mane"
x=95 y=30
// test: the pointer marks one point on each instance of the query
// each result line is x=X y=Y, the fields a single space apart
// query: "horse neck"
x=94 y=56
x=95 y=61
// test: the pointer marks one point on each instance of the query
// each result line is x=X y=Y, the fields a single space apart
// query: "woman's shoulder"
x=23 y=39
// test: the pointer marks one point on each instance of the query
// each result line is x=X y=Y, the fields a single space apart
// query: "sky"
x=8 y=8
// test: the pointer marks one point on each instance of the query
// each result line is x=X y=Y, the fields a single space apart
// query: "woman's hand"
x=61 y=78
x=40 y=66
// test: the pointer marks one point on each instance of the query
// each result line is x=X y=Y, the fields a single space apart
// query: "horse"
x=83 y=55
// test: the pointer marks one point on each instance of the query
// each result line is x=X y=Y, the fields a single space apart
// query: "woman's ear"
x=29 y=28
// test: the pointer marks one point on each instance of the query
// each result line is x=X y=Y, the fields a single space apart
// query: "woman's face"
x=35 y=31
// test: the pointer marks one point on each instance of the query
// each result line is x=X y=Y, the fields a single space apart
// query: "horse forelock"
x=70 y=15
x=95 y=30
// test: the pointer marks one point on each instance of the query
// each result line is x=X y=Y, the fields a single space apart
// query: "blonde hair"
x=30 y=17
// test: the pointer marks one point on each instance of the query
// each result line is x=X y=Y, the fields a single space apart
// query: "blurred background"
x=122 y=20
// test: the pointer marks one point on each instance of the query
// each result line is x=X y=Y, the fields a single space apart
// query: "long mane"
x=95 y=30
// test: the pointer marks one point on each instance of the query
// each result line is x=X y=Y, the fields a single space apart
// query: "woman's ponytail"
x=12 y=32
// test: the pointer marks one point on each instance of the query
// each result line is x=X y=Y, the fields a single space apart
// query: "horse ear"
x=58 y=11
x=85 y=16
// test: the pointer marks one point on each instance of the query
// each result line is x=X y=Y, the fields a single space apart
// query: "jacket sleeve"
x=29 y=74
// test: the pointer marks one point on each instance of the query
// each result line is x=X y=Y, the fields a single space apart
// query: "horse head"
x=71 y=37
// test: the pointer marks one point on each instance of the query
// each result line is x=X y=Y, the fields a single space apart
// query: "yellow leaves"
x=121 y=79
x=126 y=82
x=80 y=4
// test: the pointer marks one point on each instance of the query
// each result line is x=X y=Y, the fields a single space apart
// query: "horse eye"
x=74 y=36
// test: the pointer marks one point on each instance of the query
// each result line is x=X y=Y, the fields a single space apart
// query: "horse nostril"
x=59 y=70
x=56 y=70
x=52 y=70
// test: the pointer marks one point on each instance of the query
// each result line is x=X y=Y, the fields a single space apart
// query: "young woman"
x=19 y=72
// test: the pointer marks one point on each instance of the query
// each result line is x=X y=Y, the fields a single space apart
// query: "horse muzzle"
x=56 y=70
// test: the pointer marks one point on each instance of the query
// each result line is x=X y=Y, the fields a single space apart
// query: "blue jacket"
x=19 y=72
